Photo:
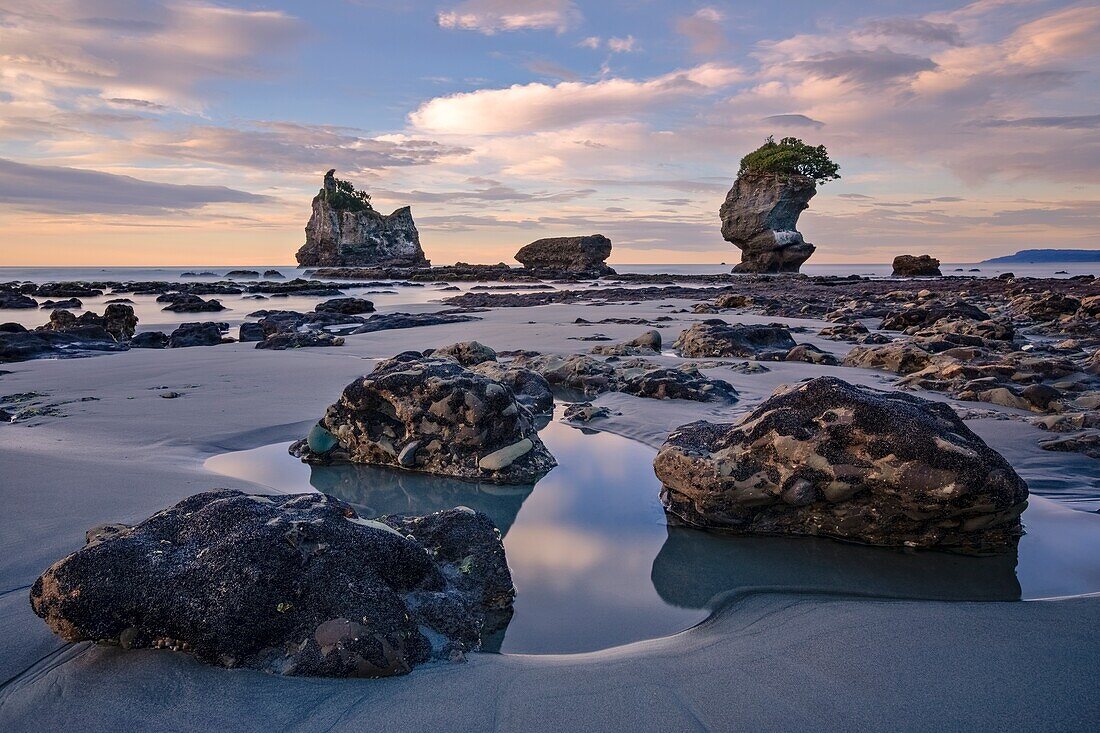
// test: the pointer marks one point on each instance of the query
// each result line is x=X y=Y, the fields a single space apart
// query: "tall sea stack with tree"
x=774 y=185
x=345 y=231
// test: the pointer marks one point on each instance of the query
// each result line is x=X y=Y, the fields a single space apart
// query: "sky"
x=178 y=132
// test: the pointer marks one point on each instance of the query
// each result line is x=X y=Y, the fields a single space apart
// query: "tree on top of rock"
x=344 y=196
x=791 y=156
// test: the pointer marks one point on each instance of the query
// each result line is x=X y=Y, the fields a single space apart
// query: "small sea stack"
x=916 y=266
x=576 y=255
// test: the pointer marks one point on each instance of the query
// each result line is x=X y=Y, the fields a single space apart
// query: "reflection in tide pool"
x=595 y=564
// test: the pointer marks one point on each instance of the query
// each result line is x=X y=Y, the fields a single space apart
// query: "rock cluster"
x=760 y=217
x=832 y=459
x=432 y=415
x=343 y=237
x=294 y=584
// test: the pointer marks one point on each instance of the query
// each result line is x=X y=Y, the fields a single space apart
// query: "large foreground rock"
x=293 y=584
x=433 y=415
x=760 y=217
x=587 y=254
x=833 y=459
x=341 y=237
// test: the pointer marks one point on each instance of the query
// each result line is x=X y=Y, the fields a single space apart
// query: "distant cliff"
x=1040 y=256
x=345 y=231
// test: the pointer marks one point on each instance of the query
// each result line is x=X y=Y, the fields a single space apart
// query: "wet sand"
x=768 y=659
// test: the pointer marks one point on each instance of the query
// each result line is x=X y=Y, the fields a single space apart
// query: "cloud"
x=703 y=30
x=592 y=42
x=61 y=190
x=916 y=29
x=551 y=69
x=622 y=45
x=528 y=107
x=794 y=121
x=1068 y=122
x=154 y=52
x=490 y=190
x=865 y=67
x=291 y=147
x=497 y=16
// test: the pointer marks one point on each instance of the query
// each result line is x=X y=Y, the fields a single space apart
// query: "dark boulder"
x=466 y=353
x=251 y=332
x=68 y=304
x=294 y=584
x=685 y=383
x=345 y=306
x=829 y=458
x=188 y=303
x=299 y=340
x=12 y=299
x=149 y=340
x=916 y=266
x=530 y=388
x=584 y=254
x=716 y=338
x=432 y=415
x=927 y=314
x=189 y=334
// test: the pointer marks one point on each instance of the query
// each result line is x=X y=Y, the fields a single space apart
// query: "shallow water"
x=596 y=565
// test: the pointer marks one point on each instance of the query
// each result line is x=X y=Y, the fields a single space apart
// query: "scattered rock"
x=812 y=355
x=192 y=333
x=648 y=344
x=13 y=300
x=1086 y=443
x=679 y=384
x=345 y=306
x=576 y=371
x=250 y=332
x=294 y=584
x=149 y=340
x=188 y=303
x=585 y=412
x=899 y=358
x=833 y=459
x=299 y=340
x=68 y=304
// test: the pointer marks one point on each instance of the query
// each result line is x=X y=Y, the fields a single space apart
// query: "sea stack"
x=346 y=231
x=916 y=266
x=585 y=254
x=759 y=217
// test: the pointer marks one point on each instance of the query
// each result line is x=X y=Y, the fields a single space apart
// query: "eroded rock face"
x=344 y=238
x=586 y=254
x=345 y=306
x=293 y=584
x=916 y=266
x=574 y=371
x=433 y=415
x=760 y=217
x=467 y=353
x=832 y=459
x=716 y=338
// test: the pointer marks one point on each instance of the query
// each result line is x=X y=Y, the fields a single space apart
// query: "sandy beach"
x=770 y=657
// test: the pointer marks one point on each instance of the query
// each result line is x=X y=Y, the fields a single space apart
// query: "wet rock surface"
x=760 y=217
x=716 y=338
x=433 y=415
x=345 y=306
x=299 y=340
x=195 y=333
x=293 y=584
x=683 y=383
x=832 y=459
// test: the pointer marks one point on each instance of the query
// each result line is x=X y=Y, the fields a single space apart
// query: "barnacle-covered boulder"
x=716 y=338
x=434 y=415
x=295 y=584
x=833 y=459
